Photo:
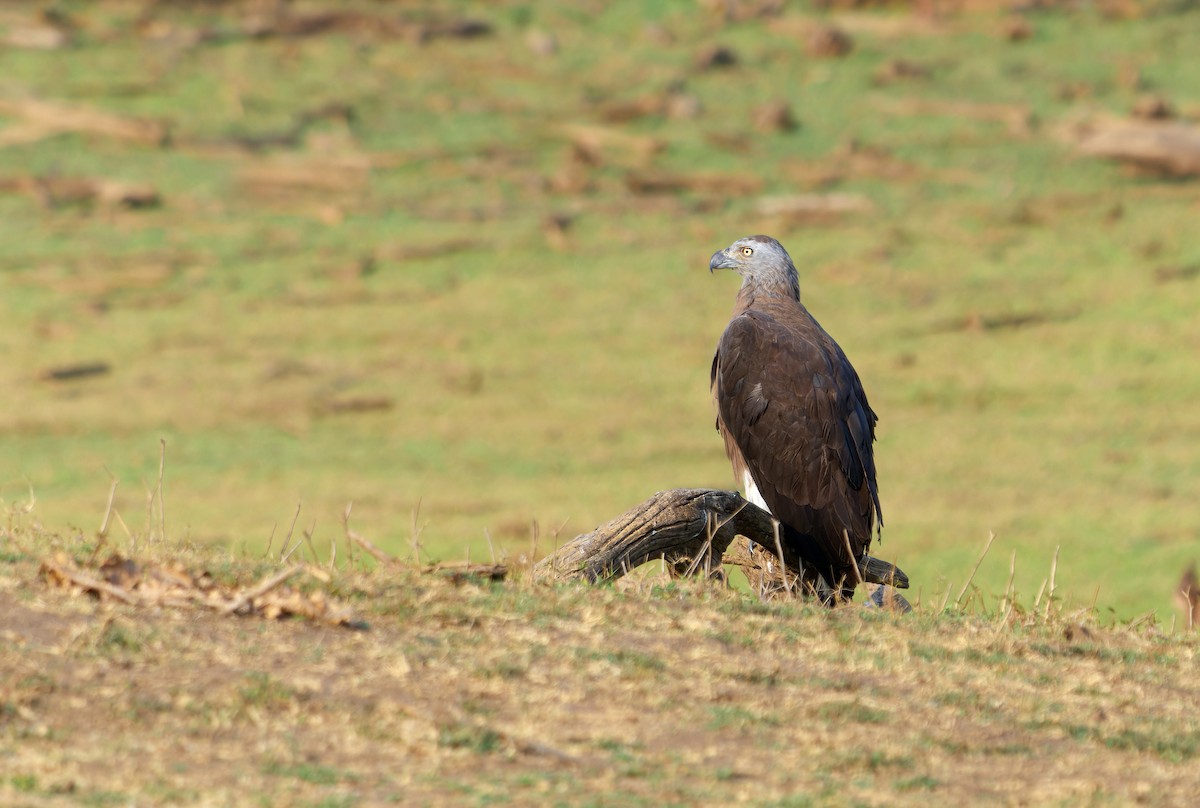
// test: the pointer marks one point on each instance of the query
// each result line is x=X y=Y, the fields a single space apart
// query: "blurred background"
x=448 y=261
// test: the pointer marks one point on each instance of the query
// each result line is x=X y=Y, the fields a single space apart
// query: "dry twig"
x=247 y=598
x=983 y=555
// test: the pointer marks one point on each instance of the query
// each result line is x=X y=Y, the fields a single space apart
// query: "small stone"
x=1016 y=29
x=1153 y=108
x=658 y=34
x=828 y=42
x=775 y=116
x=543 y=43
x=899 y=70
x=683 y=106
x=715 y=56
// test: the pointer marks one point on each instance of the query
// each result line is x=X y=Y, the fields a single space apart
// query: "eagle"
x=794 y=417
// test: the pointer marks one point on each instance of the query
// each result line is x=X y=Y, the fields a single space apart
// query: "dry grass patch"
x=653 y=692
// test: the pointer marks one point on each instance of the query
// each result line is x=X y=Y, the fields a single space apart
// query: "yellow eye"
x=747 y=251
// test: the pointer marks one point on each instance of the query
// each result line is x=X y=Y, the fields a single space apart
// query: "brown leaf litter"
x=171 y=584
x=53 y=192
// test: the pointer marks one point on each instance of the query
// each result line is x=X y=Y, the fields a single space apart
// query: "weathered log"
x=45 y=118
x=1167 y=147
x=692 y=529
x=681 y=526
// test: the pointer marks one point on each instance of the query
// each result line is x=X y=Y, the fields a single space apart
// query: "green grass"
x=479 y=740
x=263 y=691
x=308 y=773
x=559 y=384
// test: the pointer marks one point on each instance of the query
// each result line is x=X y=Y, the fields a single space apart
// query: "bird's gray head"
x=762 y=262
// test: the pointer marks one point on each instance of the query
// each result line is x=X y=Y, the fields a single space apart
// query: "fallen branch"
x=1018 y=118
x=46 y=118
x=324 y=175
x=1165 y=147
x=247 y=598
x=691 y=529
x=66 y=577
x=813 y=207
x=55 y=192
x=460 y=572
x=673 y=525
x=704 y=182
x=595 y=144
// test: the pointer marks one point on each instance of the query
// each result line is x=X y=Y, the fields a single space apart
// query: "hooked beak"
x=720 y=260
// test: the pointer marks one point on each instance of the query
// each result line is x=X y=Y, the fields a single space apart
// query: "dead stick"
x=534 y=535
x=288 y=537
x=1010 y=591
x=1053 y=570
x=369 y=546
x=296 y=547
x=346 y=535
x=415 y=532
x=986 y=547
x=102 y=533
x=162 y=504
x=783 y=569
x=260 y=590
x=487 y=534
x=125 y=527
x=311 y=547
x=704 y=549
x=853 y=561
x=87 y=582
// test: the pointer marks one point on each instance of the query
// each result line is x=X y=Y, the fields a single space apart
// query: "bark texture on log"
x=684 y=525
x=692 y=529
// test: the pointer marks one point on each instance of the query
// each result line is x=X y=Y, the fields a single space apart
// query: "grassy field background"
x=446 y=262
x=397 y=266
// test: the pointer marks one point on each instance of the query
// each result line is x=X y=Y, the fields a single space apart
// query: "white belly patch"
x=752 y=494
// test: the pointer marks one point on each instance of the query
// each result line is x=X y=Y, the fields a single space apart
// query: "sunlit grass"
x=560 y=383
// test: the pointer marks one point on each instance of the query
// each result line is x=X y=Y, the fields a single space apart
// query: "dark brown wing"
x=792 y=411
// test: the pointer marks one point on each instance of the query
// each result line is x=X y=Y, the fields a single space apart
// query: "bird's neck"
x=755 y=291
